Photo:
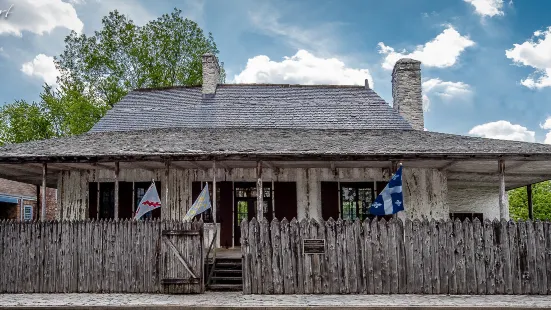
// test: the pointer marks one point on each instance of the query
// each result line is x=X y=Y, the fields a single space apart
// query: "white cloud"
x=443 y=51
x=488 y=8
x=39 y=17
x=535 y=53
x=41 y=66
x=504 y=130
x=547 y=125
x=445 y=90
x=302 y=68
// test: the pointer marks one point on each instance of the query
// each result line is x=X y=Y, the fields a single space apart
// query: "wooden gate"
x=182 y=258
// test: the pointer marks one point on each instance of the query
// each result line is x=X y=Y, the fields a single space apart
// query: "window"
x=466 y=215
x=28 y=212
x=356 y=199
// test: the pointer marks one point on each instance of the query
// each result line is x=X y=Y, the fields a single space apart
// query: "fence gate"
x=182 y=258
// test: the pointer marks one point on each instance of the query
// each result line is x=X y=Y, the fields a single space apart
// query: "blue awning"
x=8 y=199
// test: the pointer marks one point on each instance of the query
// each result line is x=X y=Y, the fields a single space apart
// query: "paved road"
x=237 y=300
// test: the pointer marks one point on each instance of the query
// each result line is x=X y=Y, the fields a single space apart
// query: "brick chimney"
x=211 y=75
x=406 y=92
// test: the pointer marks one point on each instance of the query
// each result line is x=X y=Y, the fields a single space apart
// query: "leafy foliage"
x=99 y=70
x=541 y=202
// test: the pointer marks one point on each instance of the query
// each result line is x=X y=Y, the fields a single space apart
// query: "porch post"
x=259 y=192
x=167 y=174
x=214 y=193
x=43 y=199
x=116 y=190
x=502 y=197
x=530 y=206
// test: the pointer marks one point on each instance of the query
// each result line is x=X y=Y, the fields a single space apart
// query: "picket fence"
x=395 y=257
x=102 y=256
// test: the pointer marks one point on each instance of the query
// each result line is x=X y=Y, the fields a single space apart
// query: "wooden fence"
x=380 y=257
x=87 y=256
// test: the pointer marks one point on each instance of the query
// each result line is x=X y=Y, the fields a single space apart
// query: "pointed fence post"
x=43 y=199
x=116 y=190
x=259 y=192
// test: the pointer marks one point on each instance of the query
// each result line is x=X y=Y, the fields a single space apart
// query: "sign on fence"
x=313 y=246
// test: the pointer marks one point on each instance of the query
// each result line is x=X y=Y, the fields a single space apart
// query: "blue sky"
x=486 y=63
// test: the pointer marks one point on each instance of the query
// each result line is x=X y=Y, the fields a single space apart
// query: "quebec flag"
x=149 y=202
x=200 y=205
x=390 y=200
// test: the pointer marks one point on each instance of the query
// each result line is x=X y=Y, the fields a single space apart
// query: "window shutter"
x=329 y=200
x=285 y=200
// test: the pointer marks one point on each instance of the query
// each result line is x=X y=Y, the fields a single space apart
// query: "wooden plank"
x=318 y=231
x=531 y=252
x=523 y=257
x=360 y=234
x=498 y=257
x=409 y=256
x=332 y=271
x=418 y=273
x=541 y=264
x=377 y=257
x=383 y=244
x=393 y=257
x=256 y=263
x=515 y=263
x=452 y=268
x=506 y=258
x=246 y=254
x=401 y=254
x=277 y=264
x=351 y=271
x=306 y=259
x=296 y=254
x=470 y=267
x=426 y=256
x=266 y=255
x=489 y=257
x=480 y=265
x=287 y=267
x=435 y=257
x=358 y=259
x=460 y=257
x=368 y=259
x=547 y=231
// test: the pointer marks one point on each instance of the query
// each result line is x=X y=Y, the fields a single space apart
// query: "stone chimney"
x=211 y=75
x=406 y=92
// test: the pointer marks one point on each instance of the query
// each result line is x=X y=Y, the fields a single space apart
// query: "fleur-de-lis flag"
x=390 y=200
x=200 y=205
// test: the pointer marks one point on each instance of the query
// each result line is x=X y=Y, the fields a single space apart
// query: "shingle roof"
x=253 y=106
x=220 y=142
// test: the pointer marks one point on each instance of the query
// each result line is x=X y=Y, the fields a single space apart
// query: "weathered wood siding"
x=395 y=257
x=86 y=256
x=425 y=190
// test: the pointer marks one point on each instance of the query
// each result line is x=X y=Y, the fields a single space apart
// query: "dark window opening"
x=466 y=215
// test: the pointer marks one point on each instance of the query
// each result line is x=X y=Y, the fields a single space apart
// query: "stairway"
x=227 y=275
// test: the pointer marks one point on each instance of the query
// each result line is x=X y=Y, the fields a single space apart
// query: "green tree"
x=541 y=202
x=99 y=69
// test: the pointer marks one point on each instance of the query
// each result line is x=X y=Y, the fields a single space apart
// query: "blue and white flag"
x=390 y=200
x=150 y=201
x=200 y=205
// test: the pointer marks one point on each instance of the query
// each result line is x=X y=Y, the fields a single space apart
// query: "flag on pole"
x=201 y=204
x=149 y=202
x=390 y=200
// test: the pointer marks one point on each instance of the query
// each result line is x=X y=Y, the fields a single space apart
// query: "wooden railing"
x=380 y=257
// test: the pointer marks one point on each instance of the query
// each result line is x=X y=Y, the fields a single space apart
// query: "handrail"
x=211 y=271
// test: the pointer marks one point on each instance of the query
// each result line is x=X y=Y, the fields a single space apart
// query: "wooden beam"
x=502 y=194
x=259 y=192
x=448 y=165
x=530 y=205
x=517 y=165
x=116 y=190
x=178 y=165
x=198 y=166
x=497 y=174
x=43 y=200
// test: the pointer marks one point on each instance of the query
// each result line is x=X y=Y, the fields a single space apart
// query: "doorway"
x=245 y=205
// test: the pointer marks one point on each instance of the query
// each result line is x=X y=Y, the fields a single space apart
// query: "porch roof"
x=290 y=144
x=466 y=159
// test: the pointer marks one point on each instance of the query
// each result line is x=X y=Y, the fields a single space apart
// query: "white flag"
x=150 y=201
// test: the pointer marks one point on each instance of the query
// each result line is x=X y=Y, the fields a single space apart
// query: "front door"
x=245 y=205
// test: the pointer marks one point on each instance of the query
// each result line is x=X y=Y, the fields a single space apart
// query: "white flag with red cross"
x=149 y=202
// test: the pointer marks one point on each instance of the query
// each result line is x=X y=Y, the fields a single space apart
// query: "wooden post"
x=98 y=199
x=530 y=206
x=116 y=190
x=167 y=174
x=502 y=197
x=214 y=194
x=43 y=200
x=38 y=203
x=259 y=192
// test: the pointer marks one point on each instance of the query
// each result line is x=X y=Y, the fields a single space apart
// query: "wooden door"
x=182 y=258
